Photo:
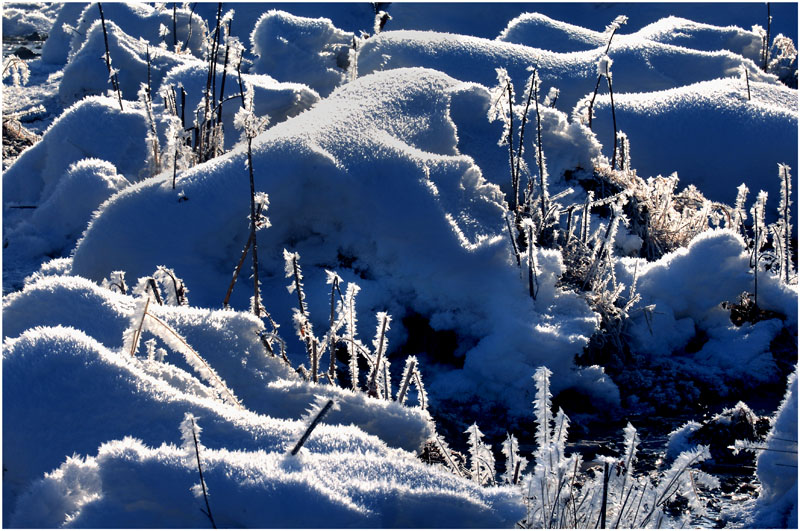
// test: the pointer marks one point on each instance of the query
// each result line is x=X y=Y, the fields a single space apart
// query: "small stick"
x=138 y=333
x=311 y=426
x=207 y=512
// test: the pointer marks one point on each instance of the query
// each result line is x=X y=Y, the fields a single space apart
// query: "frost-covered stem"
x=149 y=76
x=175 y=26
x=666 y=494
x=613 y=118
x=786 y=192
x=373 y=388
x=533 y=280
x=747 y=80
x=599 y=78
x=638 y=506
x=422 y=396
x=225 y=302
x=138 y=333
x=513 y=242
x=756 y=249
x=585 y=219
x=572 y=495
x=411 y=366
x=387 y=382
x=215 y=56
x=151 y=285
x=604 y=503
x=328 y=405
x=521 y=147
x=148 y=106
x=351 y=331
x=623 y=504
x=446 y=452
x=314 y=360
x=517 y=467
x=224 y=75
x=239 y=76
x=210 y=91
x=570 y=221
x=220 y=384
x=189 y=33
x=207 y=512
x=539 y=153
x=183 y=108
x=305 y=334
x=180 y=292
x=111 y=74
x=175 y=165
x=253 y=220
x=332 y=335
x=514 y=181
x=594 y=96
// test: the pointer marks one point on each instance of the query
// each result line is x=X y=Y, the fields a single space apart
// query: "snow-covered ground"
x=378 y=157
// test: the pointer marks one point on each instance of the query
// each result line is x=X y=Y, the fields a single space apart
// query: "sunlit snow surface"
x=380 y=164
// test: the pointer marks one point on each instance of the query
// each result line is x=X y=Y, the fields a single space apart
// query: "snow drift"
x=639 y=65
x=712 y=125
x=540 y=31
x=391 y=159
x=355 y=485
x=119 y=395
x=305 y=50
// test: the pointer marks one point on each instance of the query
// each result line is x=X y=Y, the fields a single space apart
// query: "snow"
x=85 y=75
x=380 y=159
x=351 y=486
x=57 y=46
x=712 y=124
x=354 y=157
x=682 y=294
x=59 y=220
x=777 y=503
x=306 y=50
x=228 y=342
x=116 y=396
x=91 y=128
x=540 y=31
x=19 y=20
x=141 y=21
x=275 y=100
x=640 y=65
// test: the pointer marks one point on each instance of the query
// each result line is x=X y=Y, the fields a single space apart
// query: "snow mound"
x=276 y=100
x=57 y=223
x=118 y=395
x=92 y=128
x=699 y=36
x=639 y=65
x=142 y=21
x=304 y=50
x=228 y=341
x=682 y=294
x=349 y=487
x=21 y=22
x=373 y=177
x=776 y=506
x=86 y=75
x=540 y=31
x=708 y=132
x=55 y=49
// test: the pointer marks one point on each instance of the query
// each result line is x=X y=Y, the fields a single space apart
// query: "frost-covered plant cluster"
x=562 y=491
